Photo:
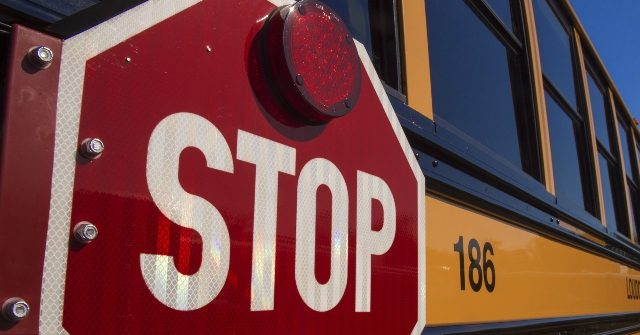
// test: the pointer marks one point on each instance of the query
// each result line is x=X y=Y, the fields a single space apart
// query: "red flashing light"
x=313 y=60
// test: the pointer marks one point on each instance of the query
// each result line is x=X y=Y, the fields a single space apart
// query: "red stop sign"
x=214 y=214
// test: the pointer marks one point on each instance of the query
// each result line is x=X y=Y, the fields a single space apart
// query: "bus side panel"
x=481 y=269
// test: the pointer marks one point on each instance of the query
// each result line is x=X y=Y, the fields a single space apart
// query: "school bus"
x=528 y=217
x=530 y=154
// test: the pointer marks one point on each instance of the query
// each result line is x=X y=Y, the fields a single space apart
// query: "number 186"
x=477 y=273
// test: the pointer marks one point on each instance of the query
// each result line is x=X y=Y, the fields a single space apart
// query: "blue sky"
x=614 y=29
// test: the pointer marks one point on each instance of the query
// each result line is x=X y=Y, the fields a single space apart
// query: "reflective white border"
x=75 y=52
x=415 y=167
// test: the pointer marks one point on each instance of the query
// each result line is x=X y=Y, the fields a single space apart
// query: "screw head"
x=91 y=148
x=435 y=163
x=302 y=10
x=85 y=232
x=41 y=57
x=15 y=309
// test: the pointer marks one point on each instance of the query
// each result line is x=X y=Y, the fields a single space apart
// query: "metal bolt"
x=208 y=48
x=41 y=57
x=299 y=80
x=127 y=59
x=551 y=219
x=347 y=103
x=85 y=232
x=15 y=309
x=435 y=164
x=91 y=148
x=302 y=10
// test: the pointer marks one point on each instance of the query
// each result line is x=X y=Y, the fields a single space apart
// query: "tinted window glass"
x=49 y=10
x=355 y=14
x=555 y=50
x=624 y=145
x=374 y=23
x=503 y=9
x=637 y=156
x=607 y=193
x=470 y=78
x=632 y=198
x=564 y=151
x=599 y=112
x=384 y=37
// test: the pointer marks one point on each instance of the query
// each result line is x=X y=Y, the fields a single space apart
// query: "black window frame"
x=515 y=41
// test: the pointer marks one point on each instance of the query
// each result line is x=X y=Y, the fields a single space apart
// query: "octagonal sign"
x=218 y=209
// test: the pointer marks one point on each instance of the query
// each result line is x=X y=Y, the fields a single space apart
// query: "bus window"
x=555 y=51
x=564 y=131
x=632 y=200
x=557 y=68
x=637 y=153
x=355 y=14
x=375 y=23
x=502 y=8
x=480 y=86
x=612 y=192
x=385 y=37
x=624 y=146
x=630 y=168
x=609 y=196
x=599 y=112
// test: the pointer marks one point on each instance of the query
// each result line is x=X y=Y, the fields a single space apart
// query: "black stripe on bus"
x=598 y=324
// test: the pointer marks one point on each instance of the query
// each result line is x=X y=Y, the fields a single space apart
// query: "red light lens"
x=314 y=60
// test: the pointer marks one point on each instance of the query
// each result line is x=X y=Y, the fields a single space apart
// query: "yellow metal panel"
x=416 y=57
x=535 y=277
